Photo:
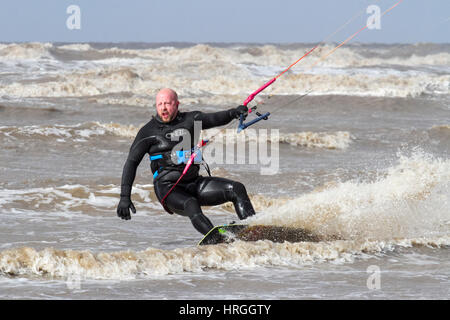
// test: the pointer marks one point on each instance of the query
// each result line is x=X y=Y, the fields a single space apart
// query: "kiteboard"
x=243 y=232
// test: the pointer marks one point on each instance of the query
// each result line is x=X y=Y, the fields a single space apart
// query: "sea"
x=356 y=150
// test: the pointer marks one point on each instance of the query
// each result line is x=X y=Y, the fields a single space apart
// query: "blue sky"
x=276 y=21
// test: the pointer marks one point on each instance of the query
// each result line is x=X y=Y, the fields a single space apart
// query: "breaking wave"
x=91 y=130
x=209 y=74
x=269 y=55
x=25 y=51
x=73 y=198
x=326 y=140
x=78 y=132
x=73 y=264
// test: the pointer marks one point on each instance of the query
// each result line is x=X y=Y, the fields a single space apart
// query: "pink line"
x=253 y=95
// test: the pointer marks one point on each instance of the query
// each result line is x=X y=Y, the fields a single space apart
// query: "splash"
x=409 y=200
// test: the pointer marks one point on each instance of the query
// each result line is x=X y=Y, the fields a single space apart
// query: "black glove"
x=236 y=113
x=123 y=209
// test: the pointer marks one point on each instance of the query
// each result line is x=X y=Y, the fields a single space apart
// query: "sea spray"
x=411 y=199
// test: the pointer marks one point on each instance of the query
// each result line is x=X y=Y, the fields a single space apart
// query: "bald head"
x=167 y=92
x=167 y=104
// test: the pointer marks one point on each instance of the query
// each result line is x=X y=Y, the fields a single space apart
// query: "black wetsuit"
x=159 y=139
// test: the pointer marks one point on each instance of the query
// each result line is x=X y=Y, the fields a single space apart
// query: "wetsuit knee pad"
x=234 y=190
x=242 y=203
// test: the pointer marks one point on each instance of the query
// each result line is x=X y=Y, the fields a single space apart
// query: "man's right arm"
x=138 y=149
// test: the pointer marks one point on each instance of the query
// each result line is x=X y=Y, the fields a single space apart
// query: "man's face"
x=166 y=105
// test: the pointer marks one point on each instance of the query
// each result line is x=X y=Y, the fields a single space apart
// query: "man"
x=159 y=137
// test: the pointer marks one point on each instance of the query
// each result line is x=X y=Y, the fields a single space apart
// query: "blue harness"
x=181 y=157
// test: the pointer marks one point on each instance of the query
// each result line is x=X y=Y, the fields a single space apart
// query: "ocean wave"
x=220 y=88
x=61 y=133
x=327 y=140
x=207 y=74
x=25 y=51
x=76 y=47
x=268 y=55
x=91 y=130
x=77 y=84
x=74 y=265
x=74 y=198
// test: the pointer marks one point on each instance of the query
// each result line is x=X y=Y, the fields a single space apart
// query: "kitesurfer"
x=158 y=138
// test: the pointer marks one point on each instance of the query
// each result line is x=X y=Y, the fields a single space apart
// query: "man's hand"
x=123 y=209
x=236 y=113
